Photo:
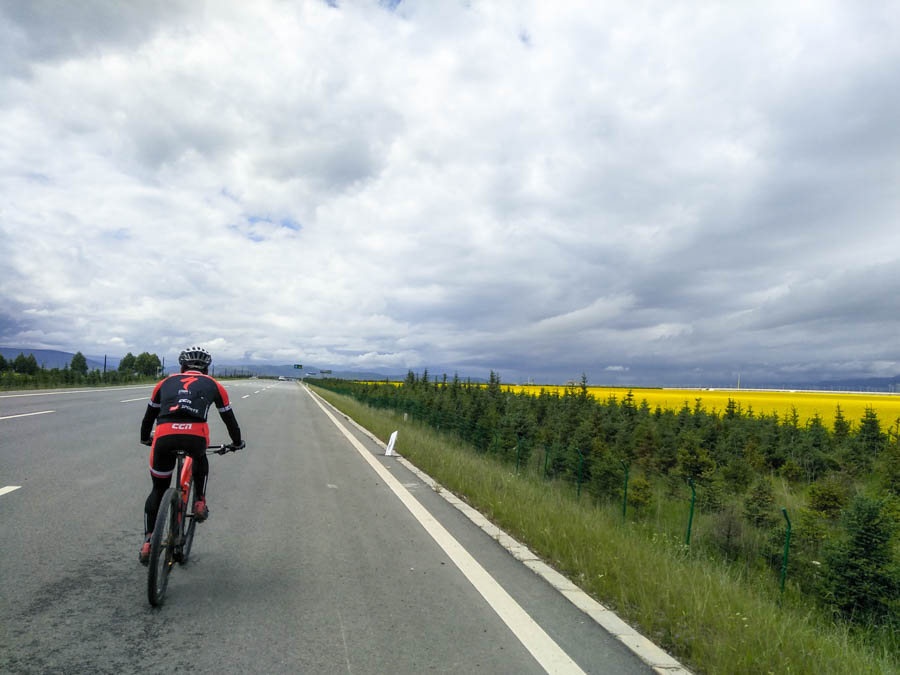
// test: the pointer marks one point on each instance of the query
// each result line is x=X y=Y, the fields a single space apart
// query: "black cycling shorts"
x=162 y=456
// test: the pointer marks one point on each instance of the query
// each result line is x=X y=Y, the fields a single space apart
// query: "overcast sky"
x=647 y=193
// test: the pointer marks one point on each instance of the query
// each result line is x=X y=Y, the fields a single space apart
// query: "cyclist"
x=179 y=404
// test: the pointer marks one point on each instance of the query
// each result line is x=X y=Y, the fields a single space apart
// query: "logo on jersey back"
x=186 y=382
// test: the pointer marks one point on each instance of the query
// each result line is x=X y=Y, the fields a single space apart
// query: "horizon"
x=864 y=384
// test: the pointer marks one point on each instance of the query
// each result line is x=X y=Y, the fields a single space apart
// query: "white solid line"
x=541 y=646
x=43 y=412
x=9 y=488
x=129 y=400
x=75 y=391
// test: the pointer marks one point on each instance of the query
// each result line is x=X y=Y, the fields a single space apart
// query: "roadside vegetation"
x=551 y=468
x=24 y=372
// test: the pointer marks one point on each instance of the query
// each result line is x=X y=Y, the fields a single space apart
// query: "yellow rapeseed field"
x=853 y=406
x=807 y=403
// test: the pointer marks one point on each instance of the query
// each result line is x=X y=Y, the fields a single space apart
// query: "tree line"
x=24 y=371
x=844 y=480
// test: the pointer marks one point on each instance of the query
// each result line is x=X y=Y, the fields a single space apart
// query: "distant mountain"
x=287 y=370
x=112 y=362
x=51 y=358
x=881 y=384
x=861 y=384
x=274 y=370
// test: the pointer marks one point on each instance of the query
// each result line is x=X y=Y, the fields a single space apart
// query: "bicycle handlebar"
x=221 y=449
x=211 y=449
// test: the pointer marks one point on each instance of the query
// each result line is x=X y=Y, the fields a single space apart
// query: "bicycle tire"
x=162 y=547
x=190 y=524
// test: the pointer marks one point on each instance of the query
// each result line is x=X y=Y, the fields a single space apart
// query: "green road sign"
x=298 y=365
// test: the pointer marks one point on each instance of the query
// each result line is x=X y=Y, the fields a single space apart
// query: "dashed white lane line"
x=129 y=400
x=541 y=646
x=9 y=488
x=246 y=396
x=42 y=412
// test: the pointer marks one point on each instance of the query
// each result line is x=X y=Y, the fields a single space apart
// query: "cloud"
x=662 y=194
x=48 y=31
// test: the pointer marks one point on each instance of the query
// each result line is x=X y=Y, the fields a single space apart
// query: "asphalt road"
x=309 y=562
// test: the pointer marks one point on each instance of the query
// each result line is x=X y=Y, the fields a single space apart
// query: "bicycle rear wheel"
x=190 y=523
x=162 y=547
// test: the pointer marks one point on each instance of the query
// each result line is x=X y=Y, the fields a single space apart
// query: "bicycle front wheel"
x=162 y=547
x=190 y=523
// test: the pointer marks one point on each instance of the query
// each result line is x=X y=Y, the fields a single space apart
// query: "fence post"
x=518 y=454
x=787 y=546
x=687 y=539
x=625 y=495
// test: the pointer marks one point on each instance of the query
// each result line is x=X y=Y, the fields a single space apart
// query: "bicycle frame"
x=173 y=532
x=184 y=469
x=184 y=481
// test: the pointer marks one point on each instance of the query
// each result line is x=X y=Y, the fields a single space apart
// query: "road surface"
x=309 y=562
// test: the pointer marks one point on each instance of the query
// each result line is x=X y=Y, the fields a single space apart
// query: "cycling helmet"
x=195 y=357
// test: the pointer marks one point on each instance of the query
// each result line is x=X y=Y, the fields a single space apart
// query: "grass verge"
x=709 y=615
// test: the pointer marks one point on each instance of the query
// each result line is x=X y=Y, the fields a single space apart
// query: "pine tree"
x=693 y=459
x=859 y=578
x=841 y=427
x=860 y=450
x=731 y=409
x=890 y=473
x=870 y=437
x=827 y=497
x=759 y=504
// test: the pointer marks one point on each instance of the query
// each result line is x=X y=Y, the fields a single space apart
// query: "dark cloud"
x=11 y=326
x=52 y=30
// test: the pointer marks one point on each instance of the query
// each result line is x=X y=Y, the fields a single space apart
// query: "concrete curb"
x=651 y=654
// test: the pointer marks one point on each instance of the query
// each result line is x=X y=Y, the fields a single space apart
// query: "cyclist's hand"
x=147 y=441
x=238 y=446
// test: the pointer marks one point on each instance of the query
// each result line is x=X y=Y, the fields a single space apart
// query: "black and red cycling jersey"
x=180 y=404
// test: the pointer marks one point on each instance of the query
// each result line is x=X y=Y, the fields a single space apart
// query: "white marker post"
x=390 y=446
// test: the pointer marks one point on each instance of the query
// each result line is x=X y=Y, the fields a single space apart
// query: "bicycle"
x=173 y=533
